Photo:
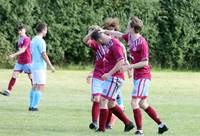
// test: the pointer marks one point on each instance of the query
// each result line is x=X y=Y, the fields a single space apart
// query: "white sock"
x=161 y=125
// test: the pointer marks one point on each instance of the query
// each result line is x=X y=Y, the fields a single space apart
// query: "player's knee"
x=111 y=104
x=143 y=104
x=103 y=103
x=96 y=99
x=135 y=104
x=15 y=74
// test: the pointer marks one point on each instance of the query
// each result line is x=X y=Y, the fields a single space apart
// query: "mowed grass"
x=65 y=106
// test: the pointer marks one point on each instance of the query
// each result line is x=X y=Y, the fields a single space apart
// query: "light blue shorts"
x=111 y=87
x=141 y=87
x=26 y=68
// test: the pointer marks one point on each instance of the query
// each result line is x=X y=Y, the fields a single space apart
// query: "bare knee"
x=96 y=98
x=135 y=103
x=143 y=104
x=15 y=74
x=111 y=104
x=103 y=103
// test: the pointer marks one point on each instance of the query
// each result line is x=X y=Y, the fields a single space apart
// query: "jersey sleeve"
x=26 y=42
x=125 y=37
x=118 y=52
x=42 y=47
x=92 y=44
x=144 y=51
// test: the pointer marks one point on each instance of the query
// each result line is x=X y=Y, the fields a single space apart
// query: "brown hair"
x=40 y=27
x=111 y=24
x=136 y=23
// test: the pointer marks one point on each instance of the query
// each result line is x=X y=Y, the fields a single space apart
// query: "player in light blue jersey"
x=40 y=60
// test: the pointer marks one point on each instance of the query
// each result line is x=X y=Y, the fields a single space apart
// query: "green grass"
x=65 y=106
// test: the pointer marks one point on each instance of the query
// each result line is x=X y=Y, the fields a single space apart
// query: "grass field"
x=65 y=106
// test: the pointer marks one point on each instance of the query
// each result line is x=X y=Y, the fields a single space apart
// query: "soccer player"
x=39 y=61
x=114 y=59
x=96 y=75
x=24 y=59
x=113 y=24
x=139 y=51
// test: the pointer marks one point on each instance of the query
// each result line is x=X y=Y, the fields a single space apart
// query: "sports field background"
x=65 y=106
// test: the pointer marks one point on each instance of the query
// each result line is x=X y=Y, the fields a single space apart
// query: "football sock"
x=37 y=98
x=138 y=118
x=32 y=93
x=103 y=119
x=109 y=117
x=152 y=113
x=117 y=111
x=95 y=111
x=11 y=84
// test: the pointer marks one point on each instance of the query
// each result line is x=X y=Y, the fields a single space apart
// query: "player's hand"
x=11 y=56
x=106 y=76
x=52 y=69
x=88 y=78
x=125 y=68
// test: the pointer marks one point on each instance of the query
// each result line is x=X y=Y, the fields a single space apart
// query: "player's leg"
x=39 y=81
x=16 y=71
x=96 y=94
x=150 y=110
x=103 y=114
x=111 y=117
x=115 y=109
x=27 y=69
x=12 y=81
x=95 y=111
x=137 y=89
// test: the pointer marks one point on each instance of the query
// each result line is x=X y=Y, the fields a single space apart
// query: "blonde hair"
x=111 y=24
x=136 y=23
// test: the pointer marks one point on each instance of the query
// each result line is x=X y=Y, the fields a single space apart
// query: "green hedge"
x=68 y=21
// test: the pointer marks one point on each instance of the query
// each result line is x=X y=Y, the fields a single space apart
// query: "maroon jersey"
x=139 y=52
x=114 y=53
x=25 y=57
x=99 y=56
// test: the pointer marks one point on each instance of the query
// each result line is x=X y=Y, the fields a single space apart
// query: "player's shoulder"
x=143 y=41
x=116 y=42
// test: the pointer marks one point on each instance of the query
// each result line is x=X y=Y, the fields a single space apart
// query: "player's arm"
x=130 y=72
x=87 y=37
x=116 y=68
x=21 y=50
x=91 y=30
x=46 y=59
x=140 y=64
x=113 y=33
x=89 y=77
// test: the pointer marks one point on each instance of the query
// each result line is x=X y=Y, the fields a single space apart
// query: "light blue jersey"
x=38 y=46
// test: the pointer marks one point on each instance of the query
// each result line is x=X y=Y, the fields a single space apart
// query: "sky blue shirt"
x=38 y=46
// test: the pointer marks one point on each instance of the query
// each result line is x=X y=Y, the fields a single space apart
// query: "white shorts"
x=39 y=77
x=96 y=86
x=141 y=87
x=111 y=87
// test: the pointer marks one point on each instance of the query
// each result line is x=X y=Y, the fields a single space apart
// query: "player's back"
x=38 y=46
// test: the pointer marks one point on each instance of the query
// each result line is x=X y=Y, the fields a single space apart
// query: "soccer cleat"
x=33 y=109
x=163 y=129
x=93 y=126
x=139 y=133
x=129 y=127
x=5 y=93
